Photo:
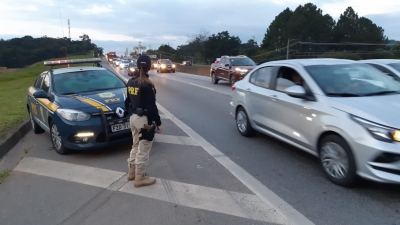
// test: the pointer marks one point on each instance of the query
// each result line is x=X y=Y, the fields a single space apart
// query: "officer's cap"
x=144 y=62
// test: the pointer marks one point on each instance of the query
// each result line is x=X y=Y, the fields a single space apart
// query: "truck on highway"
x=111 y=56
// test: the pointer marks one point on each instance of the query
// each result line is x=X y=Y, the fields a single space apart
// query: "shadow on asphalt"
x=364 y=188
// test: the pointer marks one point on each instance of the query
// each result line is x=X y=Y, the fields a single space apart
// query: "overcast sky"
x=119 y=24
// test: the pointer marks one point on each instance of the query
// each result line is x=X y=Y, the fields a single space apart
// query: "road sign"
x=153 y=56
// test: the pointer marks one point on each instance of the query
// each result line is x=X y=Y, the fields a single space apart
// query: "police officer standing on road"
x=144 y=121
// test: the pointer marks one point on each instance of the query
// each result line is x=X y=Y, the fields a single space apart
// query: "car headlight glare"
x=173 y=66
x=396 y=135
x=163 y=66
x=73 y=115
x=379 y=132
x=241 y=71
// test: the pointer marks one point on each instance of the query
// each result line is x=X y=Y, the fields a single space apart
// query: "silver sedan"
x=389 y=66
x=344 y=112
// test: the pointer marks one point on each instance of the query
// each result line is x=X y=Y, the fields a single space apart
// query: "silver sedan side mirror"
x=295 y=91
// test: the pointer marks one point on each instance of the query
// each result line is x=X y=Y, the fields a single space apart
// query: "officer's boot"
x=142 y=180
x=131 y=173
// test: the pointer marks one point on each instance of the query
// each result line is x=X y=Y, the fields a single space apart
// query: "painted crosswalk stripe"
x=179 y=140
x=194 y=196
x=70 y=172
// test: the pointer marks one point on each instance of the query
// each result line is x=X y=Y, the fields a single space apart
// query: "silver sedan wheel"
x=241 y=121
x=55 y=137
x=335 y=160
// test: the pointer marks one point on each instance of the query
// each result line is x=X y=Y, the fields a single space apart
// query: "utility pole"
x=287 y=49
x=69 y=30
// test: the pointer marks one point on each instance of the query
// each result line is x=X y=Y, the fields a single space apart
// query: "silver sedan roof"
x=383 y=61
x=312 y=62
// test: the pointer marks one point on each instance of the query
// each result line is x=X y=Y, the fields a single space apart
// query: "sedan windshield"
x=167 y=61
x=125 y=61
x=396 y=66
x=242 y=62
x=86 y=81
x=353 y=80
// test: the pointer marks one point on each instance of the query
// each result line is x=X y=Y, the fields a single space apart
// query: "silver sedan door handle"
x=248 y=90
x=274 y=97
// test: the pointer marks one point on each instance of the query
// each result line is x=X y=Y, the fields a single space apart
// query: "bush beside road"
x=13 y=88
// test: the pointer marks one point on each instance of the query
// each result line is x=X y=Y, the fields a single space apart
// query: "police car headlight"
x=73 y=115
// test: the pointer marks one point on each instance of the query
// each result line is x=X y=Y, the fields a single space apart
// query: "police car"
x=81 y=107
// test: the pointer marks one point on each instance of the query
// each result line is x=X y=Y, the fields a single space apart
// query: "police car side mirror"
x=40 y=94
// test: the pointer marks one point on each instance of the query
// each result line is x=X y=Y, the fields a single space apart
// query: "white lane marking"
x=171 y=139
x=206 y=198
x=202 y=86
x=290 y=214
x=69 y=172
x=175 y=79
x=194 y=196
x=162 y=116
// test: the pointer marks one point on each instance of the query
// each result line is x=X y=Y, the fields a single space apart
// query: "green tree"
x=308 y=23
x=249 y=48
x=19 y=52
x=222 y=44
x=351 y=28
x=166 y=49
x=276 y=35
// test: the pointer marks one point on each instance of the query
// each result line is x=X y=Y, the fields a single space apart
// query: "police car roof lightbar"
x=71 y=61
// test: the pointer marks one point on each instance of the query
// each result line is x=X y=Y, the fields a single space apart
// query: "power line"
x=344 y=43
x=276 y=50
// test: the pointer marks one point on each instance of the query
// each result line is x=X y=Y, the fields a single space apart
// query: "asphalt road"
x=207 y=174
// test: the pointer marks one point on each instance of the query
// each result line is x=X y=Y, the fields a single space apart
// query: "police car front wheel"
x=56 y=140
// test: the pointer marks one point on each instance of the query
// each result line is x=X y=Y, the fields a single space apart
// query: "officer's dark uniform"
x=142 y=100
x=141 y=103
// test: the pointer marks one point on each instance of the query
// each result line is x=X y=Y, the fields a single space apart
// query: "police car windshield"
x=86 y=81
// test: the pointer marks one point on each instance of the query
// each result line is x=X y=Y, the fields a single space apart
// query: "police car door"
x=45 y=103
x=33 y=102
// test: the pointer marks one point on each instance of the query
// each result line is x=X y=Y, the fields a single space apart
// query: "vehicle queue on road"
x=345 y=112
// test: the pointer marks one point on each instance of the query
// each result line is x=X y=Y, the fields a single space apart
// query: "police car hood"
x=92 y=102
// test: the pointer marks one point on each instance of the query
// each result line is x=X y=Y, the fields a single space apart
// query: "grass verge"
x=4 y=175
x=13 y=88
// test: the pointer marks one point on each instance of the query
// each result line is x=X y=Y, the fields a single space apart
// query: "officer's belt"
x=140 y=112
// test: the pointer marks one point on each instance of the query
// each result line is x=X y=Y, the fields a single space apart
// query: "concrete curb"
x=11 y=141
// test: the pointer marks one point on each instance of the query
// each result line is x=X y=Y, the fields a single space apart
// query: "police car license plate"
x=121 y=126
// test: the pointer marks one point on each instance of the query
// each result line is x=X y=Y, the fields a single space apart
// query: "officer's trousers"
x=140 y=152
